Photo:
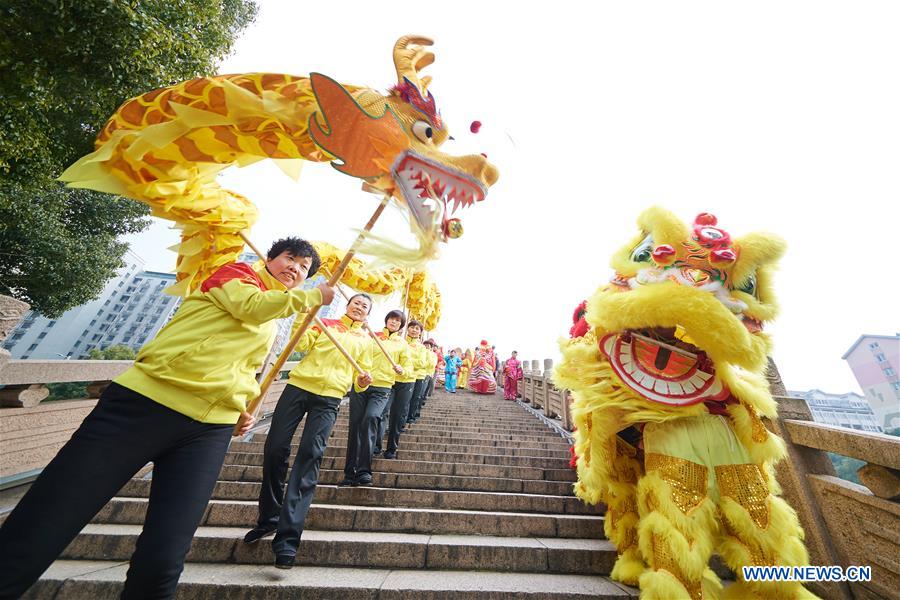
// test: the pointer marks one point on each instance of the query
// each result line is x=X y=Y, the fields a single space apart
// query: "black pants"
x=384 y=422
x=429 y=386
x=402 y=393
x=418 y=397
x=287 y=509
x=365 y=414
x=124 y=432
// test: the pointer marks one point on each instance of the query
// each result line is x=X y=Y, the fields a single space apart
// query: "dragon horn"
x=410 y=57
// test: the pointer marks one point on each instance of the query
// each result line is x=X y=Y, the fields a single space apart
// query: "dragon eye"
x=749 y=286
x=644 y=251
x=423 y=131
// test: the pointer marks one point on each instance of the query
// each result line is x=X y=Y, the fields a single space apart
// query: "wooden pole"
x=328 y=334
x=256 y=403
x=367 y=328
x=338 y=345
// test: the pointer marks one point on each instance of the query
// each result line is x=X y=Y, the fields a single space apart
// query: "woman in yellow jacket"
x=403 y=389
x=178 y=406
x=314 y=390
x=366 y=408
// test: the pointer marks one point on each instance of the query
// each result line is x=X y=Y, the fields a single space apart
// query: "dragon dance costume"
x=667 y=369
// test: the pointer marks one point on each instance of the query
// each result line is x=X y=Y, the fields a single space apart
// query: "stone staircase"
x=478 y=504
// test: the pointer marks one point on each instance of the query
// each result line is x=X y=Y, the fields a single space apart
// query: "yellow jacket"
x=324 y=371
x=203 y=363
x=413 y=360
x=431 y=364
x=383 y=374
x=421 y=358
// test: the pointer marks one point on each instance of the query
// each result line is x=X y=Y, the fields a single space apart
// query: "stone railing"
x=32 y=431
x=845 y=523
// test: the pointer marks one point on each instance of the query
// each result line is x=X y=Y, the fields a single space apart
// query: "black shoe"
x=390 y=455
x=285 y=561
x=346 y=481
x=377 y=452
x=363 y=480
x=258 y=533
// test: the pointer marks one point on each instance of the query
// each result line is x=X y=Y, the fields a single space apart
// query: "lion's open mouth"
x=429 y=188
x=662 y=368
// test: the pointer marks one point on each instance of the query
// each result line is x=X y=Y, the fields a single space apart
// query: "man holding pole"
x=178 y=406
x=335 y=352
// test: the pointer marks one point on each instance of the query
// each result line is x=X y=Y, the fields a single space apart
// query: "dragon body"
x=166 y=147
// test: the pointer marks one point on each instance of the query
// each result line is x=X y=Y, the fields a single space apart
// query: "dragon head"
x=684 y=302
x=393 y=143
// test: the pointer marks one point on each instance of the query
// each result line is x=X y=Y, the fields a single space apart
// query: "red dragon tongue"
x=365 y=144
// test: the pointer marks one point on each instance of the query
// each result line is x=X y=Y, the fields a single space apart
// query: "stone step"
x=338 y=517
x=255 y=458
x=430 y=421
x=460 y=469
x=443 y=434
x=80 y=580
x=368 y=549
x=411 y=498
x=421 y=481
x=560 y=445
x=341 y=442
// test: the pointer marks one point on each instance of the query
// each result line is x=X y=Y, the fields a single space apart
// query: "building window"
x=873 y=345
x=32 y=347
x=96 y=337
x=18 y=335
x=24 y=356
x=42 y=335
x=889 y=371
x=880 y=357
x=51 y=323
x=896 y=385
x=76 y=345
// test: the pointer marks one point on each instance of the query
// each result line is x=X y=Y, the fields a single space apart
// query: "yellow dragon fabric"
x=422 y=300
x=667 y=371
x=166 y=147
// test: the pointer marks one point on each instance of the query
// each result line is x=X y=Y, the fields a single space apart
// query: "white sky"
x=779 y=116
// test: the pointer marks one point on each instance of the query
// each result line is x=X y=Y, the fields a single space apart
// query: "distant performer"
x=512 y=373
x=481 y=377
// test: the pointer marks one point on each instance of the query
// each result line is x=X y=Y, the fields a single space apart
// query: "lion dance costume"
x=667 y=369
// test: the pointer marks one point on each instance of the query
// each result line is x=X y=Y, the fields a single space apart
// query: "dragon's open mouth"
x=429 y=186
x=662 y=368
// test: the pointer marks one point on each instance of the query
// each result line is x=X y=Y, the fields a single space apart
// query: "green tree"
x=117 y=352
x=66 y=67
x=846 y=467
x=78 y=389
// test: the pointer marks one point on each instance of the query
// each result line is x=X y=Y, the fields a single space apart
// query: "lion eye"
x=749 y=286
x=423 y=131
x=644 y=251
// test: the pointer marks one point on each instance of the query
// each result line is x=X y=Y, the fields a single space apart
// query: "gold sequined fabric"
x=758 y=430
x=746 y=485
x=687 y=479
x=664 y=559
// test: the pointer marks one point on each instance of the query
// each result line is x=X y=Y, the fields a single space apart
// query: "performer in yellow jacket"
x=426 y=363
x=177 y=407
x=366 y=407
x=314 y=390
x=403 y=389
